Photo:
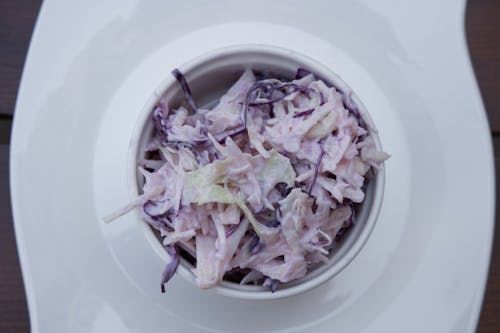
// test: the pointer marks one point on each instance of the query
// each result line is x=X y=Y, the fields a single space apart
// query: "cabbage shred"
x=263 y=184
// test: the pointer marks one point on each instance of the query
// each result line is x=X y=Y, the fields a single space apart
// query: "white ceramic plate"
x=90 y=70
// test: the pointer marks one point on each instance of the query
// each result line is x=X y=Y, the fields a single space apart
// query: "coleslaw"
x=260 y=188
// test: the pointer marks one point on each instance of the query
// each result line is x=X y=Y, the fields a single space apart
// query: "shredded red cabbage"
x=272 y=284
x=222 y=136
x=232 y=229
x=273 y=223
x=302 y=72
x=185 y=88
x=255 y=245
x=304 y=113
x=160 y=120
x=171 y=267
x=316 y=170
x=157 y=222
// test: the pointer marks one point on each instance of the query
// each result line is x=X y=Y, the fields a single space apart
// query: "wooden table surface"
x=17 y=18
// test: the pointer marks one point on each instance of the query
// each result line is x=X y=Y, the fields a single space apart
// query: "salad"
x=260 y=188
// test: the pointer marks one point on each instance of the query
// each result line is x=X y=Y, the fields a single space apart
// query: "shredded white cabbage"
x=262 y=185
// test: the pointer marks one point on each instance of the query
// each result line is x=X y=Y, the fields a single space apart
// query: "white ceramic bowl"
x=209 y=76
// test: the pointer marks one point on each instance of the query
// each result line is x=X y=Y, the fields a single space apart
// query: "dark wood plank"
x=17 y=19
x=13 y=309
x=483 y=37
x=489 y=321
x=5 y=127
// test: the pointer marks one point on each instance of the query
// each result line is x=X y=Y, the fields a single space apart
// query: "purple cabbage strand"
x=185 y=88
x=171 y=267
x=255 y=245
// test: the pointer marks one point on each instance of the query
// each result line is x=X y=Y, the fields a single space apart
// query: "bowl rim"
x=317 y=67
